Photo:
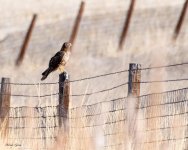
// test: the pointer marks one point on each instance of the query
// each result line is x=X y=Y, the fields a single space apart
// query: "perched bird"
x=58 y=61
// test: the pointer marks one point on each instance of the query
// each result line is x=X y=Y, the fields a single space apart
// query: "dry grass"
x=111 y=124
x=149 y=43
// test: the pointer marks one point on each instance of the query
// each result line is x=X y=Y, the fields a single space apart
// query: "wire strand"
x=148 y=68
x=105 y=90
x=96 y=92
x=159 y=81
x=102 y=75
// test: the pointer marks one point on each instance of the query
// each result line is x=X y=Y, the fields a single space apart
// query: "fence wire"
x=32 y=127
x=159 y=119
x=86 y=79
x=99 y=117
x=108 y=74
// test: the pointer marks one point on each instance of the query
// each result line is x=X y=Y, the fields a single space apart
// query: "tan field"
x=95 y=52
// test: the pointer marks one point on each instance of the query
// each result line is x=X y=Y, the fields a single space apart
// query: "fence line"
x=117 y=115
x=157 y=81
x=113 y=115
x=38 y=108
x=96 y=92
x=118 y=72
x=107 y=74
x=34 y=96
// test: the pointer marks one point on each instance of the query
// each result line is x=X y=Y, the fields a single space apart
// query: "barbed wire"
x=165 y=92
x=165 y=66
x=84 y=105
x=102 y=75
x=111 y=121
x=159 y=81
x=37 y=84
x=125 y=97
x=34 y=96
x=74 y=95
x=96 y=92
x=118 y=72
x=94 y=115
x=101 y=91
x=36 y=108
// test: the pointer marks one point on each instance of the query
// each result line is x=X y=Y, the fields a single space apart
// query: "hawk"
x=58 y=61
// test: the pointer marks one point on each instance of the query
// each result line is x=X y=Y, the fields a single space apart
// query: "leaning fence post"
x=26 y=41
x=5 y=105
x=134 y=80
x=126 y=24
x=64 y=92
x=180 y=21
x=77 y=23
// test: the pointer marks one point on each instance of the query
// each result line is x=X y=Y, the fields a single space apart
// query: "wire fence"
x=32 y=125
x=107 y=74
x=160 y=120
x=99 y=118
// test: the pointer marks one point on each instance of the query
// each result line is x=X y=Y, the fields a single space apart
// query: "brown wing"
x=56 y=60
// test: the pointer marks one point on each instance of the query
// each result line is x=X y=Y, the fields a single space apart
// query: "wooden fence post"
x=77 y=23
x=180 y=21
x=5 y=105
x=64 y=92
x=126 y=25
x=26 y=41
x=134 y=79
x=133 y=101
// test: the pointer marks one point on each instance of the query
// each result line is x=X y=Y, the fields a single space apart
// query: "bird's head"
x=66 y=46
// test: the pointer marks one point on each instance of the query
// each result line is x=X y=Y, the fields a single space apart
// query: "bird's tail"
x=46 y=73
